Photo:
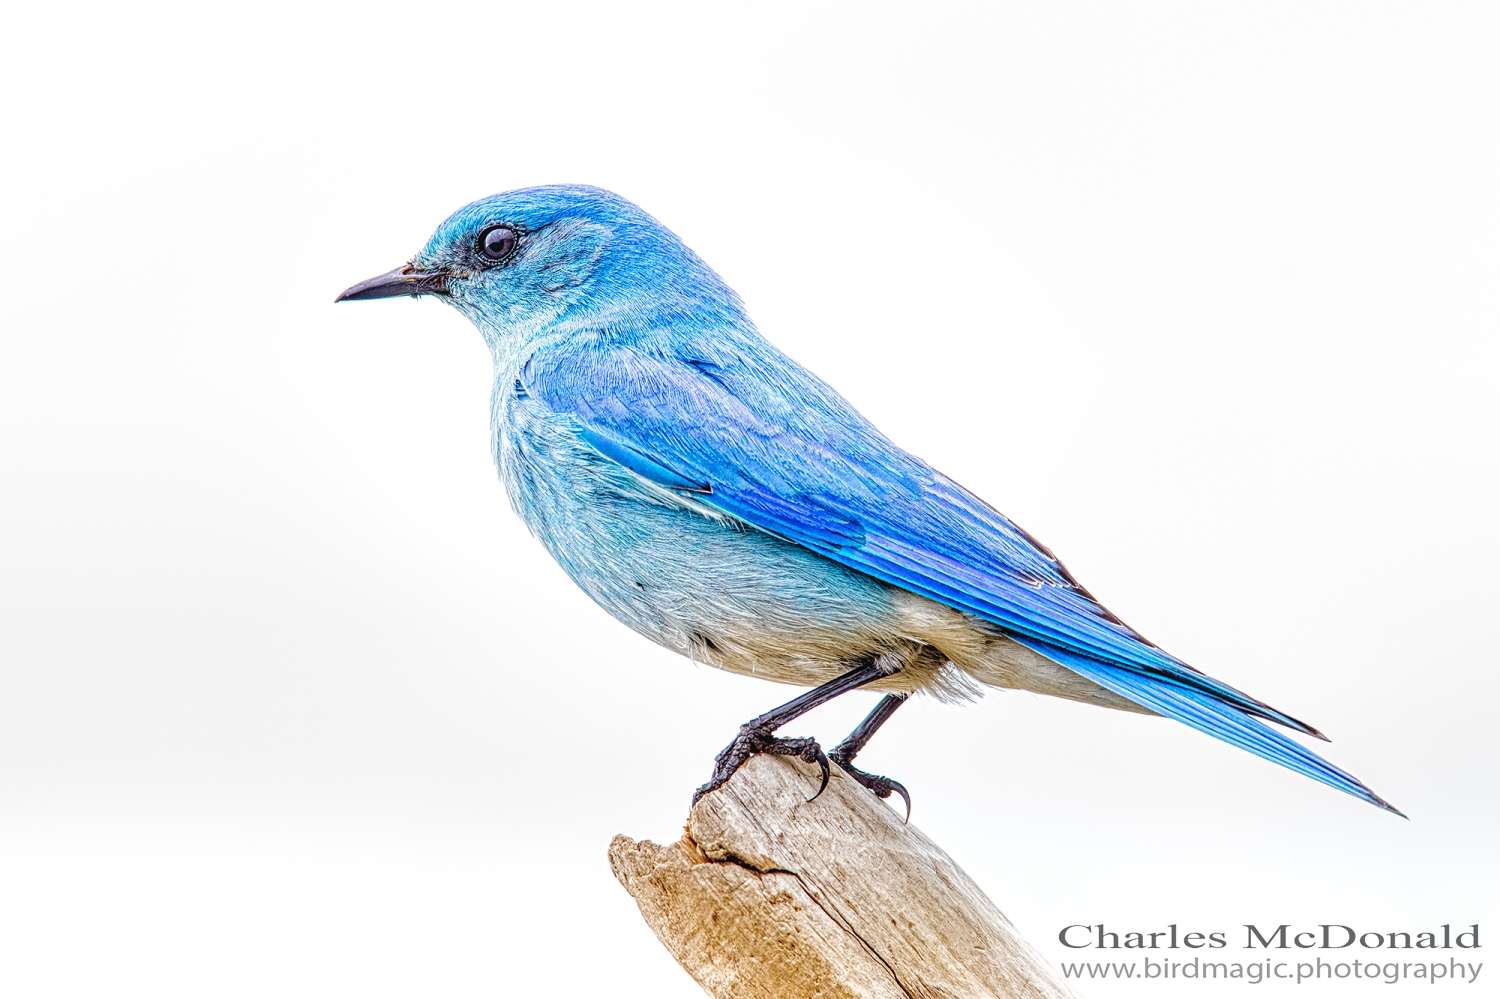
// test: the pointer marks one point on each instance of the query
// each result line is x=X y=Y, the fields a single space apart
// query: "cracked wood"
x=770 y=896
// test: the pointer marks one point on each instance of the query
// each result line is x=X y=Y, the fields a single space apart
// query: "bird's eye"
x=497 y=243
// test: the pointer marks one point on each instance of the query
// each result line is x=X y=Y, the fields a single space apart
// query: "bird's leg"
x=756 y=735
x=843 y=754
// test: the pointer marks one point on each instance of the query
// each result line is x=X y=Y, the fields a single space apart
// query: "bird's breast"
x=704 y=585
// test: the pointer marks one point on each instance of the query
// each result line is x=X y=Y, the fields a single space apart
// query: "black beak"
x=404 y=280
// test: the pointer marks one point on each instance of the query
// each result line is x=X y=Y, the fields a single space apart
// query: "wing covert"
x=762 y=440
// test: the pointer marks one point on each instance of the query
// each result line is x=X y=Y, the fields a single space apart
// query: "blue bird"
x=723 y=501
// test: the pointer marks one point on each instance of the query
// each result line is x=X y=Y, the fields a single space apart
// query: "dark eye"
x=498 y=242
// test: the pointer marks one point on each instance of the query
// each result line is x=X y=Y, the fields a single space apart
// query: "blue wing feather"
x=763 y=440
x=640 y=464
x=1214 y=717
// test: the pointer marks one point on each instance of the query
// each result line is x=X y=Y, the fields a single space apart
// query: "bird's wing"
x=759 y=438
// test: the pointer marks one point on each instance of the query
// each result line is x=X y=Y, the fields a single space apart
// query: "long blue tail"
x=1212 y=716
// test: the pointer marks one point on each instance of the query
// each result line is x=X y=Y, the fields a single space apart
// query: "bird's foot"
x=757 y=738
x=881 y=787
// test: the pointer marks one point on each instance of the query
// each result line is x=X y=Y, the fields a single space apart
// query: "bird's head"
x=526 y=260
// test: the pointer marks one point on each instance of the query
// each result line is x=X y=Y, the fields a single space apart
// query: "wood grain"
x=770 y=896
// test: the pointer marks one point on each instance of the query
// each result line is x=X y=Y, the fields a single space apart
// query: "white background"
x=1203 y=295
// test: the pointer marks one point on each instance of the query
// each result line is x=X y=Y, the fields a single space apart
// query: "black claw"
x=822 y=765
x=804 y=749
x=881 y=787
x=756 y=736
x=755 y=739
x=904 y=797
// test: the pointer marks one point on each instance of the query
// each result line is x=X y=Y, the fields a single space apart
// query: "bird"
x=722 y=500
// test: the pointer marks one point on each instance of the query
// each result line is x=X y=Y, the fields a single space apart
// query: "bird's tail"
x=1212 y=716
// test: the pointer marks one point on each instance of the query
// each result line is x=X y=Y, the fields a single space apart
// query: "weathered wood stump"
x=770 y=896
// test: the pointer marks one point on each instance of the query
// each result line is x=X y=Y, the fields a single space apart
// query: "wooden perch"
x=770 y=896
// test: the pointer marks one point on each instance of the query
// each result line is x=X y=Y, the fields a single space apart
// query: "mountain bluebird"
x=723 y=501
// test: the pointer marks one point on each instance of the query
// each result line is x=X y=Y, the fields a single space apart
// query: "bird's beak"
x=404 y=280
